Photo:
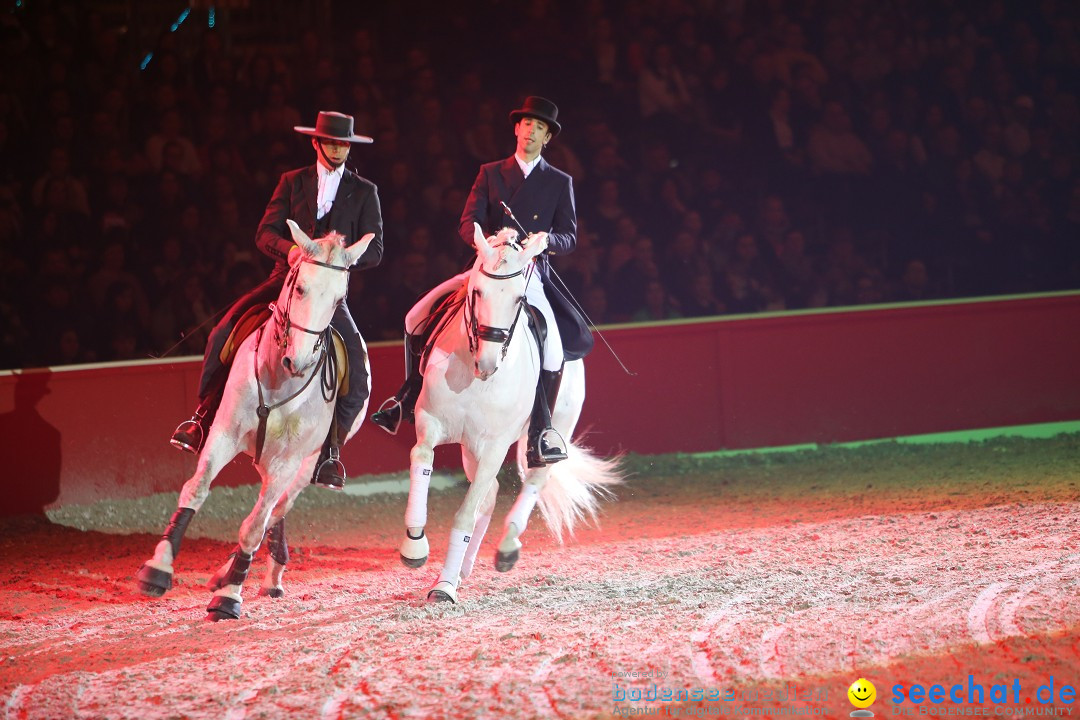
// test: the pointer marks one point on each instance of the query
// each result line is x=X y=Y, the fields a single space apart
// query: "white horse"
x=478 y=391
x=277 y=406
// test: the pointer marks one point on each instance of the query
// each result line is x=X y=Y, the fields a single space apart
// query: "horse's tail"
x=575 y=487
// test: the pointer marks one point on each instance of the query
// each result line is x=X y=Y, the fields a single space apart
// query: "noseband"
x=487 y=333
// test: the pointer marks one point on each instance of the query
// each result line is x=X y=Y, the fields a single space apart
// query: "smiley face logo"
x=862 y=693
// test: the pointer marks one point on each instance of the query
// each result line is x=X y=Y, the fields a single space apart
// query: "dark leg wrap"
x=276 y=544
x=176 y=528
x=238 y=571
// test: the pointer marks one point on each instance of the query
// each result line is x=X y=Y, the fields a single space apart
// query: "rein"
x=327 y=362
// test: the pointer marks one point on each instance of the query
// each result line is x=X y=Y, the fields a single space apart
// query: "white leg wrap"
x=474 y=545
x=455 y=554
x=523 y=507
x=416 y=510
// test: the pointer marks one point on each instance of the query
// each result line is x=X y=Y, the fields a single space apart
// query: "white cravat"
x=527 y=167
x=329 y=180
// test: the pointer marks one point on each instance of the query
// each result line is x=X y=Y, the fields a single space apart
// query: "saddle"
x=444 y=310
x=256 y=317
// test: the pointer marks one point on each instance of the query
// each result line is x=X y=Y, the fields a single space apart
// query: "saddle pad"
x=254 y=318
x=342 y=362
x=443 y=310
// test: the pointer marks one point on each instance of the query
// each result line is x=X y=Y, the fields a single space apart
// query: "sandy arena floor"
x=759 y=578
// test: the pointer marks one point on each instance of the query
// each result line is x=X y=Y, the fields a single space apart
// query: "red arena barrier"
x=80 y=434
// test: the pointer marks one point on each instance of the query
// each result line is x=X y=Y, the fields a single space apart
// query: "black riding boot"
x=400 y=407
x=190 y=435
x=541 y=452
x=329 y=470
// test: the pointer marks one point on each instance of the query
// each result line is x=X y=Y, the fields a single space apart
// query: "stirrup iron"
x=389 y=405
x=334 y=469
x=189 y=428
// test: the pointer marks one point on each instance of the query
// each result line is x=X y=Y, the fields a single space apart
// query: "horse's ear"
x=309 y=246
x=358 y=248
x=483 y=247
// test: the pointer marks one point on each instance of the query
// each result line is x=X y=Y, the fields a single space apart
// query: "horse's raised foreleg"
x=445 y=588
x=414 y=548
x=156 y=575
x=517 y=520
x=564 y=419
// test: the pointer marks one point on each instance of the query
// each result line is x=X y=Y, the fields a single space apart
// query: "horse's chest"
x=285 y=426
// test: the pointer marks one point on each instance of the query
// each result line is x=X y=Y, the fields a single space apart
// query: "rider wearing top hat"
x=320 y=198
x=541 y=198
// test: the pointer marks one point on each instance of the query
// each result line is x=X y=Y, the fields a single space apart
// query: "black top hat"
x=540 y=108
x=334 y=126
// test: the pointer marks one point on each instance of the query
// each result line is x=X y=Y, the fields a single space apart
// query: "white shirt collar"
x=527 y=167
x=324 y=171
x=329 y=180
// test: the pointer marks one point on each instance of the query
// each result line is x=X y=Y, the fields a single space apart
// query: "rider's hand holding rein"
x=540 y=237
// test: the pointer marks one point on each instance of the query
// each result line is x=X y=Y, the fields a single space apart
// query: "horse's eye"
x=299 y=291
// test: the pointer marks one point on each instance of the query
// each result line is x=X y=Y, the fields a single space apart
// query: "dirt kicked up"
x=948 y=576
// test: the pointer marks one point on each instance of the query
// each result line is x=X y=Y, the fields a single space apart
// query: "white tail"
x=575 y=487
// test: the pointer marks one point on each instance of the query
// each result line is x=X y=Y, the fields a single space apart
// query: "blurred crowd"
x=729 y=156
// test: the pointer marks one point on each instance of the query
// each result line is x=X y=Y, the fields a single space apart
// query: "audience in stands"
x=729 y=157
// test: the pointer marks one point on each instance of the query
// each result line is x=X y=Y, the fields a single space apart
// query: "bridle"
x=283 y=324
x=488 y=333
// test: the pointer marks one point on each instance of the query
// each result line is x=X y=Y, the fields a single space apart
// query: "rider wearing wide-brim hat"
x=334 y=126
x=320 y=198
x=541 y=198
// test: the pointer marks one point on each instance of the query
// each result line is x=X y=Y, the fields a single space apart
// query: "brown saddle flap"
x=247 y=324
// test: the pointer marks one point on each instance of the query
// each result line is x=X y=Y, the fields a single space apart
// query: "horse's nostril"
x=286 y=363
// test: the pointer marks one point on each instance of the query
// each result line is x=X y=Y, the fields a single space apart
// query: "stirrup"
x=541 y=453
x=331 y=472
x=189 y=436
x=383 y=418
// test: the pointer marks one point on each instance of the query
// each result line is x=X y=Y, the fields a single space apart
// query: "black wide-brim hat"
x=541 y=109
x=334 y=126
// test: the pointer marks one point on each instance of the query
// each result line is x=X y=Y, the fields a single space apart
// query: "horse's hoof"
x=443 y=592
x=223 y=608
x=153 y=582
x=414 y=551
x=504 y=562
x=274 y=592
